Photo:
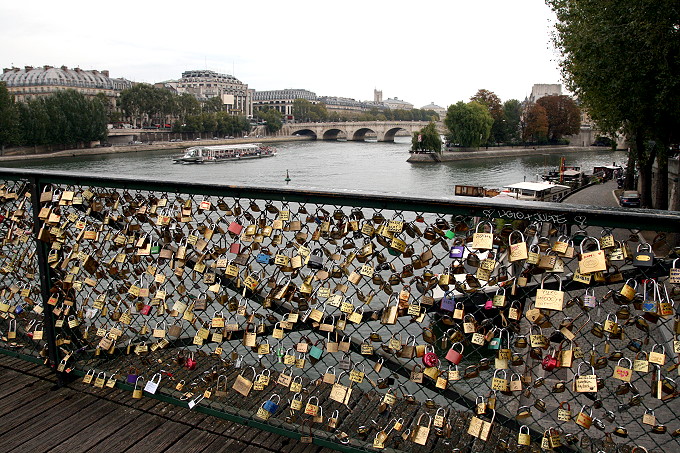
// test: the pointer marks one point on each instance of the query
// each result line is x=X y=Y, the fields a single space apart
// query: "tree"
x=469 y=124
x=621 y=60
x=493 y=103
x=429 y=139
x=213 y=105
x=535 y=128
x=273 y=118
x=512 y=115
x=564 y=116
x=9 y=119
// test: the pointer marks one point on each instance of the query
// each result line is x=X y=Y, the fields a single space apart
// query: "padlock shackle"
x=586 y=239
x=510 y=237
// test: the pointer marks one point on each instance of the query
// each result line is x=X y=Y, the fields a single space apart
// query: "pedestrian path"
x=36 y=417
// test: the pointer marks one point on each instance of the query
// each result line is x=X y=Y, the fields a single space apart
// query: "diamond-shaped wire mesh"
x=380 y=320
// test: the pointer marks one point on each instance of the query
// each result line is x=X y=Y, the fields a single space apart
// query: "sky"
x=420 y=52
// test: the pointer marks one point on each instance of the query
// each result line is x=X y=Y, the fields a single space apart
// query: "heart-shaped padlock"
x=430 y=359
x=190 y=363
x=549 y=362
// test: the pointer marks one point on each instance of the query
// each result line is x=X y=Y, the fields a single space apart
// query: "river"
x=331 y=166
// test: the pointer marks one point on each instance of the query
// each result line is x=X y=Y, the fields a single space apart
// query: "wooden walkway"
x=36 y=417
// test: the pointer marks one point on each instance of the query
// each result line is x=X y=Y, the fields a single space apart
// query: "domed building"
x=42 y=81
x=441 y=111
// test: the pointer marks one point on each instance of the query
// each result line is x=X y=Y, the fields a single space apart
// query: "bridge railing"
x=354 y=321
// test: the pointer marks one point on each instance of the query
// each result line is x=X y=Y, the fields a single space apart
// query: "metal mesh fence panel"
x=370 y=322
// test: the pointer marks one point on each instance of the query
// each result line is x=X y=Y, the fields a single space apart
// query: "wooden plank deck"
x=37 y=416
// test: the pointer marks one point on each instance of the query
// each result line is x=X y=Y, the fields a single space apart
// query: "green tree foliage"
x=564 y=116
x=186 y=104
x=492 y=102
x=145 y=103
x=621 y=58
x=512 y=115
x=535 y=127
x=213 y=105
x=9 y=119
x=429 y=139
x=273 y=117
x=219 y=124
x=65 y=119
x=469 y=124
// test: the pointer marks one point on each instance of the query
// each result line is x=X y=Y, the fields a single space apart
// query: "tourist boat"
x=223 y=153
x=535 y=191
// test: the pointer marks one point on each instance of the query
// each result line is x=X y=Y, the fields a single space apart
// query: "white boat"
x=535 y=191
x=224 y=153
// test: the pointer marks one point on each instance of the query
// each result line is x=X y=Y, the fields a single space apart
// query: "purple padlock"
x=132 y=376
x=448 y=302
x=456 y=251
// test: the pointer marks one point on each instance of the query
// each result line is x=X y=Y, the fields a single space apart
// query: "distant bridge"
x=356 y=130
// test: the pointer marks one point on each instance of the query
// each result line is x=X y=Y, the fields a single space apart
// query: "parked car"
x=630 y=199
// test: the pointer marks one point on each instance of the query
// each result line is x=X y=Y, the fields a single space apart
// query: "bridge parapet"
x=357 y=130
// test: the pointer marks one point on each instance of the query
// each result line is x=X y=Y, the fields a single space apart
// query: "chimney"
x=28 y=68
x=105 y=72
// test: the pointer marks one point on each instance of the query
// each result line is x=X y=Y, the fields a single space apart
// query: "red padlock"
x=454 y=356
x=430 y=359
x=146 y=309
x=190 y=363
x=549 y=362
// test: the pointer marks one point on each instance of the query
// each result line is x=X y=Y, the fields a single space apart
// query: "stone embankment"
x=18 y=154
x=481 y=153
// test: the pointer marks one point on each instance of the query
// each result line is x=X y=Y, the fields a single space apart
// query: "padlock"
x=448 y=302
x=523 y=437
x=420 y=433
x=316 y=259
x=564 y=411
x=591 y=262
x=430 y=358
x=454 y=356
x=457 y=250
x=643 y=257
x=550 y=362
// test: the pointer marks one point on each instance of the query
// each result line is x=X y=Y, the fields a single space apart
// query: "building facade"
x=31 y=82
x=441 y=111
x=540 y=90
x=281 y=100
x=394 y=103
x=205 y=84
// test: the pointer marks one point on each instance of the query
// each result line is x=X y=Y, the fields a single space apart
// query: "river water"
x=332 y=166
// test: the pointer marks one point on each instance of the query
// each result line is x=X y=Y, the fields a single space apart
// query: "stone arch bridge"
x=356 y=130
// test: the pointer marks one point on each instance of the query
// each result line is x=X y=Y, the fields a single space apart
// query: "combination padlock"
x=430 y=359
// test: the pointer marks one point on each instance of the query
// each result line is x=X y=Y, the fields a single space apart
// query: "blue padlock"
x=448 y=302
x=315 y=352
x=263 y=258
x=271 y=406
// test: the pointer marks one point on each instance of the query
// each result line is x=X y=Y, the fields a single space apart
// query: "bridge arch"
x=333 y=134
x=392 y=132
x=359 y=134
x=306 y=133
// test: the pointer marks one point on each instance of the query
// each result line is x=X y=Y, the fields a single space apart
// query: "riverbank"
x=20 y=154
x=479 y=153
